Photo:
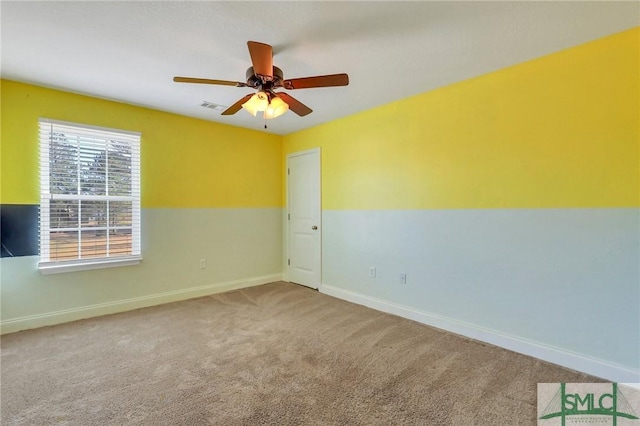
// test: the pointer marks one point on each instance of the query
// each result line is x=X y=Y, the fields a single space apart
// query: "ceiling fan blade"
x=295 y=105
x=237 y=106
x=208 y=81
x=318 y=81
x=262 y=59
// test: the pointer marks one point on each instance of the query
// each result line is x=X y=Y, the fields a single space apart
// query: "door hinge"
x=288 y=171
x=288 y=216
x=289 y=262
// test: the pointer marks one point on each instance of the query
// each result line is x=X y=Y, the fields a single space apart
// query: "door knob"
x=314 y=227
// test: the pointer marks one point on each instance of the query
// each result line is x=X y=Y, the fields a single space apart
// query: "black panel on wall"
x=19 y=230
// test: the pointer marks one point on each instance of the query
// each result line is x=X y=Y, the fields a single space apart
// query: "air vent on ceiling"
x=213 y=106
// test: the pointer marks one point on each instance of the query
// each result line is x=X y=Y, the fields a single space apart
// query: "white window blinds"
x=90 y=194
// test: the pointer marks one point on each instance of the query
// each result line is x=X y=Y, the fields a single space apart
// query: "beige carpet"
x=276 y=354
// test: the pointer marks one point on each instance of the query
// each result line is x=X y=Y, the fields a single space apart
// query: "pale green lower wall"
x=241 y=247
x=558 y=284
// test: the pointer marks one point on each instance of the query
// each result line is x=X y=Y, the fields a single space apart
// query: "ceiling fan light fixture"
x=276 y=108
x=258 y=102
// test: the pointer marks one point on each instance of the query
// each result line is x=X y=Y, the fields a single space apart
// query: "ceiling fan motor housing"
x=254 y=81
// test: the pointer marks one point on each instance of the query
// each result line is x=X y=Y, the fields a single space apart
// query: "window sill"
x=46 y=268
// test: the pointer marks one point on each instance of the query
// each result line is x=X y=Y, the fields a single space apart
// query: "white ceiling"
x=130 y=51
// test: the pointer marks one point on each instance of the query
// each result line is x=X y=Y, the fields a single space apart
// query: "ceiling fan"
x=265 y=77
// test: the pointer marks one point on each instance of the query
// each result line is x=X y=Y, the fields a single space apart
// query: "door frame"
x=285 y=215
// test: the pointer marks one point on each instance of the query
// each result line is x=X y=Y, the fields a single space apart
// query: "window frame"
x=46 y=129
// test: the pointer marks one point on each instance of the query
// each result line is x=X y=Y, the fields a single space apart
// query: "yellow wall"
x=185 y=162
x=558 y=131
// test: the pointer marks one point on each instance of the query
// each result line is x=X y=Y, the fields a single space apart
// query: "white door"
x=304 y=231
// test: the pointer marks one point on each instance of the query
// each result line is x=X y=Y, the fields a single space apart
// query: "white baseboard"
x=67 y=315
x=593 y=366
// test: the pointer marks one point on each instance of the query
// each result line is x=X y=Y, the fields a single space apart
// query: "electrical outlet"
x=372 y=272
x=203 y=263
x=403 y=278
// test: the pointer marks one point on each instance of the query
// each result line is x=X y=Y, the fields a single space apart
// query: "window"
x=89 y=197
